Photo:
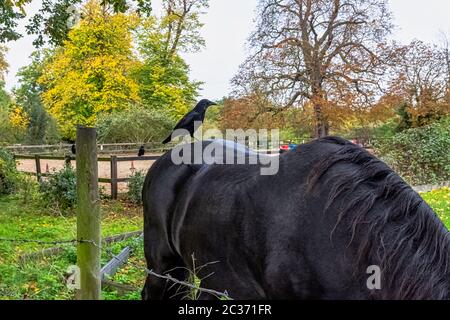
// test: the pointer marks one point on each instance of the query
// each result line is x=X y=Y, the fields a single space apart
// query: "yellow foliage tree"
x=19 y=118
x=93 y=72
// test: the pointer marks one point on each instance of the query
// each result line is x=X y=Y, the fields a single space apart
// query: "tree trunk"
x=321 y=124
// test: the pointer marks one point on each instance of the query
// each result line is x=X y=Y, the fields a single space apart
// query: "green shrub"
x=28 y=189
x=13 y=181
x=135 y=185
x=419 y=155
x=136 y=124
x=9 y=175
x=59 y=191
x=387 y=130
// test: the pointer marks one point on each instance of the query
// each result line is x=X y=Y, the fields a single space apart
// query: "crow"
x=141 y=151
x=74 y=151
x=187 y=122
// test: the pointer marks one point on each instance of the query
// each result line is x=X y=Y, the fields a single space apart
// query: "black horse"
x=309 y=232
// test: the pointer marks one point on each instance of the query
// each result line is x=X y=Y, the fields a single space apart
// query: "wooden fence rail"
x=113 y=160
x=104 y=148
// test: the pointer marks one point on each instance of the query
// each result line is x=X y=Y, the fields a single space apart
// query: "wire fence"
x=74 y=241
x=111 y=255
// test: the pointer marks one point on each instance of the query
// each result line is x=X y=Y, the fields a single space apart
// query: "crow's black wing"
x=187 y=119
x=184 y=123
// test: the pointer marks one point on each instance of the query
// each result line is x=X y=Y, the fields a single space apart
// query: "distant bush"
x=135 y=185
x=28 y=189
x=59 y=191
x=419 y=155
x=9 y=176
x=14 y=182
x=136 y=124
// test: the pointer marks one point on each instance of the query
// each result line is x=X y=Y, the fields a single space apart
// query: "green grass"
x=44 y=278
x=439 y=201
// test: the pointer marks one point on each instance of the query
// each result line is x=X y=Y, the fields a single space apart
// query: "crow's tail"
x=166 y=140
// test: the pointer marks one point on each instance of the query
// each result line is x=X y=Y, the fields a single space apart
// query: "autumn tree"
x=181 y=25
x=323 y=52
x=421 y=83
x=13 y=119
x=445 y=48
x=248 y=112
x=93 y=72
x=6 y=134
x=164 y=76
x=41 y=128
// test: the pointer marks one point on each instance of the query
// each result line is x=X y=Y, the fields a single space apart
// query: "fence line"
x=73 y=241
x=102 y=148
x=113 y=160
x=114 y=179
x=55 y=250
x=107 y=240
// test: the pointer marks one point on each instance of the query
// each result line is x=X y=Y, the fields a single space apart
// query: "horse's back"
x=256 y=227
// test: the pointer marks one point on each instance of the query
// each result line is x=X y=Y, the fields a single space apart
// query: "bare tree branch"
x=302 y=49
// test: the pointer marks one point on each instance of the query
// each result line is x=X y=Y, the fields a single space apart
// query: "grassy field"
x=45 y=278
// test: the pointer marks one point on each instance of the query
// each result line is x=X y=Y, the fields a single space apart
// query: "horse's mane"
x=390 y=224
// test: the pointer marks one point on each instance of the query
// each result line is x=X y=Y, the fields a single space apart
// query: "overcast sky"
x=228 y=23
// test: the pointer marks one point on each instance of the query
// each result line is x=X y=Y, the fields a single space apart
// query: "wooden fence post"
x=88 y=215
x=114 y=177
x=38 y=167
x=67 y=159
